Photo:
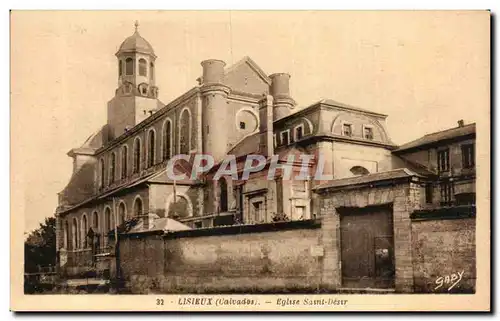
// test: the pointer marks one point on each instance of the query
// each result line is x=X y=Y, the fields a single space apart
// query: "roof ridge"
x=453 y=128
x=375 y=173
x=438 y=136
x=335 y=103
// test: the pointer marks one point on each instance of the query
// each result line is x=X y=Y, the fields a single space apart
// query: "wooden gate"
x=367 y=247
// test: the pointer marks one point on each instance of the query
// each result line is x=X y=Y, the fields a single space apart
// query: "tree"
x=40 y=246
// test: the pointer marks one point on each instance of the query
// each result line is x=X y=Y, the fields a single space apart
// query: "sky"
x=425 y=70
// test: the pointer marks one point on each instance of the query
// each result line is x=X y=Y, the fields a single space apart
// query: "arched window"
x=137 y=155
x=112 y=168
x=84 y=230
x=102 y=172
x=107 y=225
x=124 y=161
x=138 y=207
x=143 y=67
x=167 y=139
x=107 y=220
x=95 y=220
x=120 y=68
x=122 y=213
x=74 y=232
x=222 y=195
x=152 y=70
x=359 y=170
x=129 y=66
x=151 y=147
x=185 y=131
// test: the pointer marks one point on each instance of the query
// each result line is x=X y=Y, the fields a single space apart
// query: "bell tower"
x=136 y=64
x=136 y=97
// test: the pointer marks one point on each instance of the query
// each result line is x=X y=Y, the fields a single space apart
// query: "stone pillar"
x=246 y=210
x=286 y=188
x=266 y=144
x=330 y=239
x=59 y=232
x=216 y=195
x=214 y=105
x=402 y=240
x=59 y=242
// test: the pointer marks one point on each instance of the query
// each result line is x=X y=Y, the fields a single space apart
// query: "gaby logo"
x=184 y=167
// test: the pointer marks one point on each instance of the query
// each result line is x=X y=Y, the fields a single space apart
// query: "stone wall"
x=444 y=248
x=404 y=197
x=264 y=257
x=77 y=262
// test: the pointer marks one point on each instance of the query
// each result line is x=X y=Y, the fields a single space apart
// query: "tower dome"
x=136 y=43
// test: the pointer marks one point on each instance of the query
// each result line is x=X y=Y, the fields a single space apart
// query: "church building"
x=120 y=172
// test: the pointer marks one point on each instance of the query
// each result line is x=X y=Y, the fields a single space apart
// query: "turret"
x=215 y=108
x=136 y=96
x=280 y=90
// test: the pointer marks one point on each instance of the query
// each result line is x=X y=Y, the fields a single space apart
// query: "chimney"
x=280 y=85
x=280 y=90
x=461 y=123
x=213 y=71
x=266 y=144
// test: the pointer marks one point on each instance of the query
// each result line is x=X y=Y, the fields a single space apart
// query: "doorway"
x=367 y=247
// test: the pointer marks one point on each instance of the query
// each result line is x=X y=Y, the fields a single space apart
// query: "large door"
x=367 y=247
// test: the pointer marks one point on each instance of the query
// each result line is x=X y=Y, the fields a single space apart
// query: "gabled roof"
x=370 y=178
x=253 y=65
x=437 y=137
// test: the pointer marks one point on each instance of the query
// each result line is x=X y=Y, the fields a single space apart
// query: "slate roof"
x=332 y=102
x=436 y=137
x=364 y=179
x=136 y=43
x=329 y=103
x=80 y=190
x=416 y=167
x=80 y=186
x=249 y=145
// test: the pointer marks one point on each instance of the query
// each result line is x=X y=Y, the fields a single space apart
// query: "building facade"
x=120 y=177
x=408 y=225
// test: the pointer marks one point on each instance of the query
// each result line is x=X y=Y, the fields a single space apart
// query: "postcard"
x=250 y=160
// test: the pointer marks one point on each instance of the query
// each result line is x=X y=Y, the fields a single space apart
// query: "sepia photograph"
x=250 y=160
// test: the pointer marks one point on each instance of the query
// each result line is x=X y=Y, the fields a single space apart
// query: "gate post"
x=330 y=236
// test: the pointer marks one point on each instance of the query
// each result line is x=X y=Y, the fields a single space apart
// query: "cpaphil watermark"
x=295 y=167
